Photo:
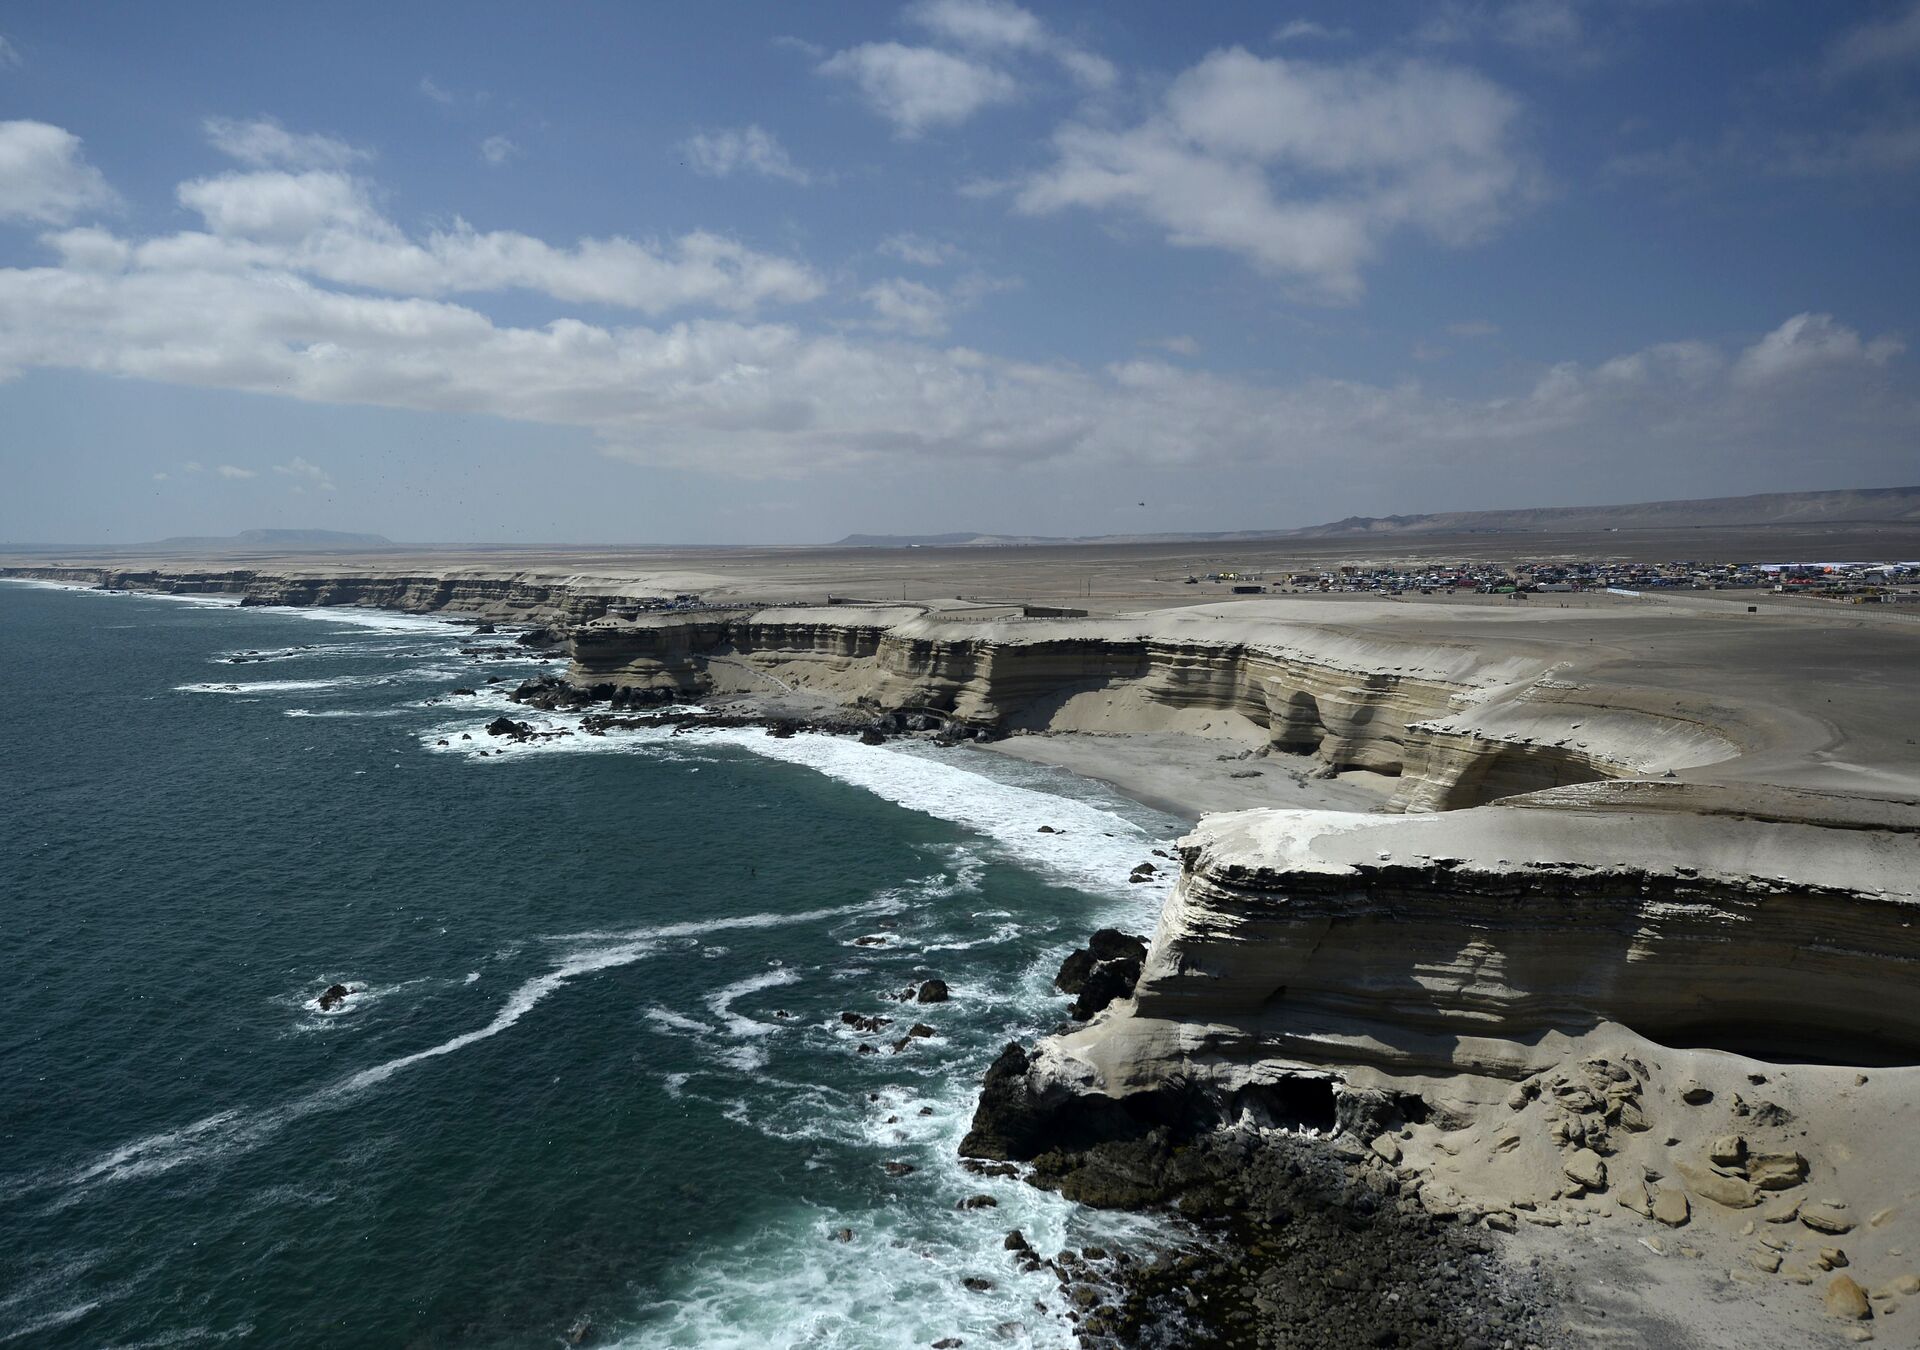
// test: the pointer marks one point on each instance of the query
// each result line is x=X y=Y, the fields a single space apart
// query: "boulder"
x=1776 y=1171
x=1586 y=1167
x=1729 y=1150
x=333 y=996
x=1822 y=1218
x=1846 y=1299
x=1634 y=1197
x=1670 y=1206
x=932 y=991
x=1733 y=1192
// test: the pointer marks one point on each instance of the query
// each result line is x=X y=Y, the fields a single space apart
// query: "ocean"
x=592 y=1078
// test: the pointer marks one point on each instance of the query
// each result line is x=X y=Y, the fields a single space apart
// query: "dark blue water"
x=563 y=1088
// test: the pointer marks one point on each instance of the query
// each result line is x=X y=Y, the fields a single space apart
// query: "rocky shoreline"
x=1297 y=1242
x=1300 y=1237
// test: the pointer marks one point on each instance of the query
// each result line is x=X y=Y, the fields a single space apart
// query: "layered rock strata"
x=1641 y=1006
x=1457 y=722
x=1460 y=706
x=1462 y=942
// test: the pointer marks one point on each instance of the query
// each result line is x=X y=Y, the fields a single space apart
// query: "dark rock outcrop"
x=1014 y=1122
x=1105 y=969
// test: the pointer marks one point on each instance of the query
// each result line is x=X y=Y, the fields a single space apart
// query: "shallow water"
x=564 y=1086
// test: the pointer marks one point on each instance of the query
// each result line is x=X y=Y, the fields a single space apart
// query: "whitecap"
x=369 y=681
x=721 y=1001
x=235 y=1129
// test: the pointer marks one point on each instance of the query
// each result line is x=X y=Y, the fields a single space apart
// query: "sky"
x=774 y=273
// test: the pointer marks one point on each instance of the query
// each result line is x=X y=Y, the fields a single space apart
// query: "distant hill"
x=921 y=540
x=274 y=541
x=1878 y=505
x=1851 y=505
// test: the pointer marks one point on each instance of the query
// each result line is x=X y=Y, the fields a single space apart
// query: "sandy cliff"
x=1461 y=710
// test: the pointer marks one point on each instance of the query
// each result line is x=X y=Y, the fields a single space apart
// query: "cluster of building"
x=1860 y=582
x=635 y=606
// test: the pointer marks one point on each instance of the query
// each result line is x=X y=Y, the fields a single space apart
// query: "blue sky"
x=774 y=273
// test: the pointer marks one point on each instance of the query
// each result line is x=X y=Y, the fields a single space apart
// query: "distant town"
x=1855 y=582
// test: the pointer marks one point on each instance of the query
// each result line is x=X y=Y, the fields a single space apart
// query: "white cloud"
x=162 y=476
x=1544 y=26
x=264 y=144
x=326 y=225
x=1891 y=149
x=1473 y=328
x=305 y=475
x=9 y=55
x=1297 y=29
x=1181 y=344
x=760 y=398
x=1889 y=42
x=1809 y=342
x=902 y=306
x=44 y=176
x=918 y=250
x=998 y=26
x=498 y=150
x=813 y=51
x=1553 y=30
x=88 y=249
x=444 y=97
x=235 y=471
x=718 y=154
x=1301 y=168
x=916 y=88
x=275 y=207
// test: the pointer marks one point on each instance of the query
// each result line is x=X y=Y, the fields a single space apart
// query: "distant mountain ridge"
x=284 y=541
x=1894 y=505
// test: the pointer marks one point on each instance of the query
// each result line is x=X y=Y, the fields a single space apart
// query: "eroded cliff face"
x=510 y=596
x=1458 y=718
x=1630 y=1006
x=1469 y=727
x=1480 y=941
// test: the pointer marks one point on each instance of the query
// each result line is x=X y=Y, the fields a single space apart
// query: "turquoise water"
x=563 y=1088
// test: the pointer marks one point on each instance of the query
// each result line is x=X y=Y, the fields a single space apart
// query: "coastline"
x=1549 y=737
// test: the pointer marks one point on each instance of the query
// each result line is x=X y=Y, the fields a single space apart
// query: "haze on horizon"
x=768 y=274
